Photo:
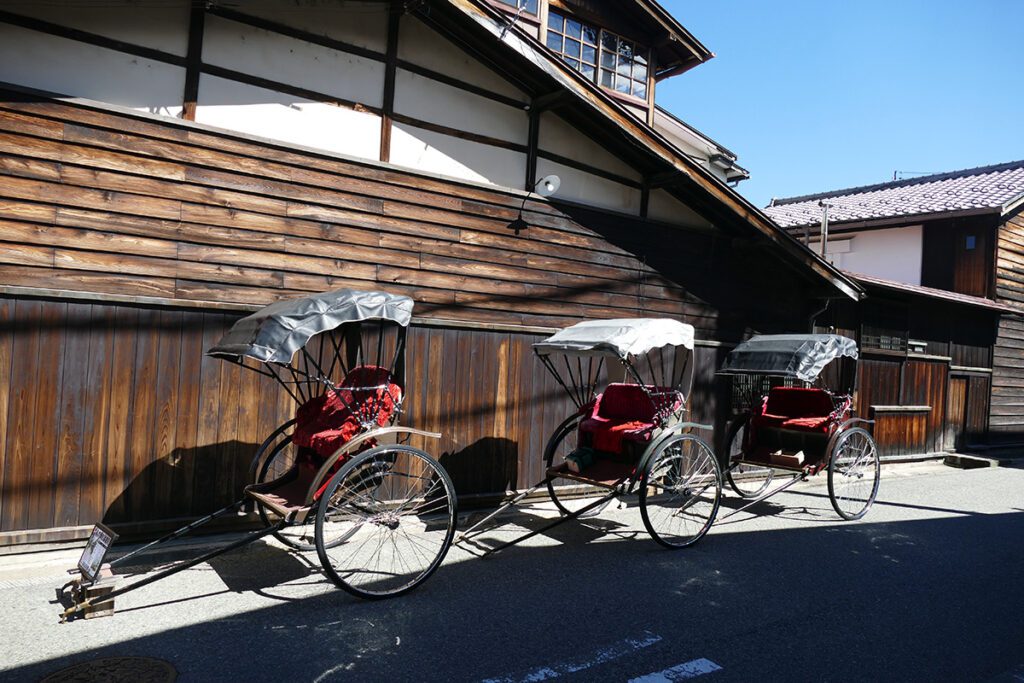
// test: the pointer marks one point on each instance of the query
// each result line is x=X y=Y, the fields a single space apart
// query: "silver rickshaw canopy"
x=622 y=338
x=801 y=356
x=273 y=334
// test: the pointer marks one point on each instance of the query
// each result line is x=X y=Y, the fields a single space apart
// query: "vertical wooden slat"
x=74 y=397
x=165 y=425
x=141 y=444
x=119 y=425
x=96 y=413
x=7 y=327
x=47 y=388
x=189 y=361
x=193 y=60
x=204 y=482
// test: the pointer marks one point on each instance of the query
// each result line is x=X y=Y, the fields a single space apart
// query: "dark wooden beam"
x=390 y=68
x=193 y=61
x=645 y=199
x=533 y=138
x=551 y=100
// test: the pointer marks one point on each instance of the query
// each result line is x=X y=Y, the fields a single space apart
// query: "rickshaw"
x=339 y=477
x=629 y=437
x=792 y=422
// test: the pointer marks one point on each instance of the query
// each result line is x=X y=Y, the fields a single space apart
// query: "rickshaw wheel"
x=281 y=458
x=558 y=448
x=746 y=479
x=385 y=521
x=853 y=473
x=680 y=490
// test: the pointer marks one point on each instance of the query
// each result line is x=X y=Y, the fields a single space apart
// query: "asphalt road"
x=928 y=587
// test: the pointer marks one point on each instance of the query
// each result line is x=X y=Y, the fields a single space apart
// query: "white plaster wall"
x=359 y=23
x=419 y=44
x=559 y=137
x=892 y=254
x=244 y=108
x=429 y=100
x=586 y=188
x=285 y=60
x=446 y=155
x=161 y=26
x=664 y=207
x=71 y=68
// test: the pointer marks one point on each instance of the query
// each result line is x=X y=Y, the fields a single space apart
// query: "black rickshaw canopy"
x=802 y=356
x=273 y=334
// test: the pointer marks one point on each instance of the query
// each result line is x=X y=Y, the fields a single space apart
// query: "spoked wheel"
x=746 y=479
x=385 y=521
x=568 y=495
x=853 y=473
x=680 y=491
x=280 y=458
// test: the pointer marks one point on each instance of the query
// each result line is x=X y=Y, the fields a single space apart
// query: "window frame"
x=575 y=62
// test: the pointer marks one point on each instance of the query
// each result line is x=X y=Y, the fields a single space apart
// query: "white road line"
x=607 y=654
x=679 y=672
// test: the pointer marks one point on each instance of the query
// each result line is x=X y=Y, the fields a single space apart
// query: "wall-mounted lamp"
x=545 y=187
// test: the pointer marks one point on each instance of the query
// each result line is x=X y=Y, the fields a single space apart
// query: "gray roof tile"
x=986 y=187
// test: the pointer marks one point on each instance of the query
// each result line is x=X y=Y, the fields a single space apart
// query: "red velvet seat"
x=325 y=423
x=623 y=413
x=796 y=408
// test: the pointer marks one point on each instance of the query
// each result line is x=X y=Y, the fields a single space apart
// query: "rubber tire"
x=644 y=489
x=876 y=465
x=734 y=427
x=565 y=429
x=333 y=484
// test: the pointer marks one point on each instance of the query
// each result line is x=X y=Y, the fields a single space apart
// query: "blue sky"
x=820 y=95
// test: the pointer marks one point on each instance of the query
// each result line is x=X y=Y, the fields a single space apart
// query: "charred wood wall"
x=128 y=245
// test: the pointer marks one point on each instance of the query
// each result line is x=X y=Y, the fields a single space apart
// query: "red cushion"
x=623 y=403
x=327 y=422
x=798 y=402
x=607 y=435
x=808 y=424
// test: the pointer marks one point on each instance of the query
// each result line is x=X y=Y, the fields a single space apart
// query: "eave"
x=697 y=186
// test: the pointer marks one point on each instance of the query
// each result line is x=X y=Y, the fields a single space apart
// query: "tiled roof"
x=986 y=187
x=943 y=294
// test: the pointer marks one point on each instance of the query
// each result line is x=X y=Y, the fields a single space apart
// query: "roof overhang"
x=937 y=294
x=700 y=189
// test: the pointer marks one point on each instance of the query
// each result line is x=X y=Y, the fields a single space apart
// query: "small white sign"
x=96 y=549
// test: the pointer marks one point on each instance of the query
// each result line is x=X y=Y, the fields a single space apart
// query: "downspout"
x=825 y=206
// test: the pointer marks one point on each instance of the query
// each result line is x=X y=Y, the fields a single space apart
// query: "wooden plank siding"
x=1006 y=414
x=112 y=412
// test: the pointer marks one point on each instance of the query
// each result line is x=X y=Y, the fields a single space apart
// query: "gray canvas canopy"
x=621 y=338
x=273 y=334
x=802 y=356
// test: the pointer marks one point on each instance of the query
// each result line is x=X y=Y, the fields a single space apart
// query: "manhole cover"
x=116 y=670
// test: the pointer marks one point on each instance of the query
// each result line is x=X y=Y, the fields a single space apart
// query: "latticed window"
x=622 y=63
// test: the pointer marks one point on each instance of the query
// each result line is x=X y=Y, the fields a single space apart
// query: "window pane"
x=554 y=41
x=609 y=41
x=572 y=62
x=625 y=49
x=640 y=90
x=590 y=55
x=607 y=78
x=531 y=6
x=590 y=35
x=639 y=71
x=555 y=21
x=625 y=68
x=589 y=71
x=572 y=47
x=573 y=28
x=622 y=84
x=608 y=59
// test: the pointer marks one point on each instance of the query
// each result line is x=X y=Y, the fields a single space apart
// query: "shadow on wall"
x=189 y=482
x=489 y=465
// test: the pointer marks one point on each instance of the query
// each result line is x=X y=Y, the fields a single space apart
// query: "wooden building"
x=167 y=167
x=942 y=259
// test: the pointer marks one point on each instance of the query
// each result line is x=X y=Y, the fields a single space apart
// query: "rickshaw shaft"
x=187 y=564
x=551 y=525
x=180 y=532
x=779 y=489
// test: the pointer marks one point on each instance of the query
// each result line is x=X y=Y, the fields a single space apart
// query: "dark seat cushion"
x=623 y=413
